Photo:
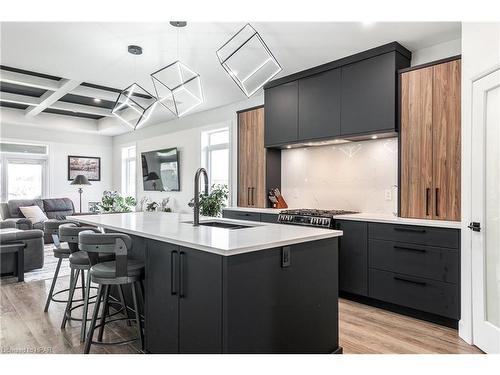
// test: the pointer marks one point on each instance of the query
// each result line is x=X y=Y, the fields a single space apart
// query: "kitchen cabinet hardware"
x=399 y=278
x=173 y=272
x=397 y=247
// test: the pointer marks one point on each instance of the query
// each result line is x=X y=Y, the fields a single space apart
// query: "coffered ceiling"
x=76 y=69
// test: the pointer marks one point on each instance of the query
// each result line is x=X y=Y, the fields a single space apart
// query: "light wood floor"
x=24 y=327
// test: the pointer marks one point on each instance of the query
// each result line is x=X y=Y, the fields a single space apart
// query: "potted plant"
x=112 y=201
x=213 y=203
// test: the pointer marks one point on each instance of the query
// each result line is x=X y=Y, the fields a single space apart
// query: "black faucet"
x=196 y=205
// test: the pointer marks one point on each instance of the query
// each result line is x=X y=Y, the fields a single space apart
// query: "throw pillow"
x=33 y=214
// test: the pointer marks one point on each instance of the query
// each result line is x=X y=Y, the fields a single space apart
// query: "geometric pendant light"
x=177 y=86
x=134 y=106
x=248 y=60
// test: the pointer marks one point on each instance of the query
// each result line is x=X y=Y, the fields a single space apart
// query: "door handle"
x=252 y=190
x=173 y=272
x=248 y=196
x=398 y=278
x=437 y=201
x=181 y=275
x=474 y=226
x=427 y=192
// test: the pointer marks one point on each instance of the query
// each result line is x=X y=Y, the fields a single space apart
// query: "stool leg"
x=137 y=316
x=70 y=299
x=124 y=306
x=105 y=311
x=71 y=280
x=85 y=308
x=83 y=284
x=51 y=291
x=93 y=322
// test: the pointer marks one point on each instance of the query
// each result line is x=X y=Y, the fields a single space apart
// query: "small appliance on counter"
x=311 y=217
x=277 y=200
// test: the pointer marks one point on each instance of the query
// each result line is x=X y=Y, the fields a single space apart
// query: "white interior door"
x=486 y=212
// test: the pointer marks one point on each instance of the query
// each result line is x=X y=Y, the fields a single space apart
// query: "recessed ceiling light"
x=288 y=146
x=367 y=23
x=374 y=137
x=97 y=100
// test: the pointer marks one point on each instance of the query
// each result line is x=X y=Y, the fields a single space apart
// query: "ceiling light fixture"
x=97 y=100
x=135 y=104
x=177 y=86
x=374 y=137
x=248 y=60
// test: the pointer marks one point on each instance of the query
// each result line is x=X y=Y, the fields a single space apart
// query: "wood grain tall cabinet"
x=259 y=169
x=430 y=142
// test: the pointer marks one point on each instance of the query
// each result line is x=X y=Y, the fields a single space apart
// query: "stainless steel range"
x=311 y=217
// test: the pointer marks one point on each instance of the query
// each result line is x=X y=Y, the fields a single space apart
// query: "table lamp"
x=80 y=180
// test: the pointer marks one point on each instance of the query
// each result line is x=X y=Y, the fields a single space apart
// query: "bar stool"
x=79 y=263
x=61 y=251
x=121 y=271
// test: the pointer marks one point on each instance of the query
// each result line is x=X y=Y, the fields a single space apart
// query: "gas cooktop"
x=311 y=217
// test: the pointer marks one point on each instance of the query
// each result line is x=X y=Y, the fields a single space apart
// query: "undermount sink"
x=220 y=224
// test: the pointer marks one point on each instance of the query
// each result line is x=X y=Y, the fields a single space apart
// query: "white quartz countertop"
x=371 y=217
x=175 y=228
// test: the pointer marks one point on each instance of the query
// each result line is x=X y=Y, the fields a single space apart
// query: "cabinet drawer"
x=269 y=218
x=416 y=260
x=421 y=294
x=241 y=215
x=443 y=237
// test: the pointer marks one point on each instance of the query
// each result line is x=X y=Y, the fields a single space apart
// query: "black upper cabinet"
x=369 y=95
x=351 y=98
x=281 y=115
x=319 y=105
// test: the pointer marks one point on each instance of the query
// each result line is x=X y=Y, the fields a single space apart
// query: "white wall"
x=437 y=52
x=353 y=176
x=61 y=144
x=480 y=54
x=185 y=134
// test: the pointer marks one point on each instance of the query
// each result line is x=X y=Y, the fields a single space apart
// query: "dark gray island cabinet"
x=278 y=300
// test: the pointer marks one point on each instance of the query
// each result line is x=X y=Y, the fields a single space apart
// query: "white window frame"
x=207 y=149
x=128 y=179
x=42 y=159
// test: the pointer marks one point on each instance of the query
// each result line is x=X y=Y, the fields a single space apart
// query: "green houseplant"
x=213 y=203
x=112 y=201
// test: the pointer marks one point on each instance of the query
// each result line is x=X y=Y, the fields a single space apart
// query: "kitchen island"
x=233 y=286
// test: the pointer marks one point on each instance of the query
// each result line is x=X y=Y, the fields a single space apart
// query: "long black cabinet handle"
x=173 y=272
x=398 y=278
x=248 y=196
x=409 y=249
x=437 y=201
x=411 y=230
x=252 y=189
x=427 y=191
x=246 y=214
x=181 y=274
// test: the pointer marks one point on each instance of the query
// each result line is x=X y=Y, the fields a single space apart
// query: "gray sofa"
x=33 y=253
x=54 y=208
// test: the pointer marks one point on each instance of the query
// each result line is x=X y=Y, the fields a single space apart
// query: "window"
x=23 y=170
x=215 y=155
x=128 y=171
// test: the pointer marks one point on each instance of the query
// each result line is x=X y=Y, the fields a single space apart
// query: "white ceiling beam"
x=49 y=98
x=64 y=106
x=28 y=80
x=19 y=99
x=95 y=93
